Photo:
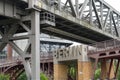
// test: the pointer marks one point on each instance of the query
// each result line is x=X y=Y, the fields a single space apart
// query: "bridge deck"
x=66 y=25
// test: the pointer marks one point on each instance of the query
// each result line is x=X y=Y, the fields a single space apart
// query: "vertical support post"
x=103 y=69
x=43 y=67
x=35 y=45
x=110 y=68
x=95 y=67
x=48 y=67
x=117 y=68
x=9 y=52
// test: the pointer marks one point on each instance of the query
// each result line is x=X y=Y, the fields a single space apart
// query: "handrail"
x=104 y=45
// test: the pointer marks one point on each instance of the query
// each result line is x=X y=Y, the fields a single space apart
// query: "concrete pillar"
x=60 y=72
x=9 y=52
x=112 y=75
x=35 y=45
x=105 y=69
x=84 y=70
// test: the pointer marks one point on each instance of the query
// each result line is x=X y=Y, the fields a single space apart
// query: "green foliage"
x=4 y=77
x=72 y=72
x=97 y=74
x=118 y=75
x=23 y=77
x=43 y=77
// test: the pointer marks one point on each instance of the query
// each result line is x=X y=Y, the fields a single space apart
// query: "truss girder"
x=96 y=12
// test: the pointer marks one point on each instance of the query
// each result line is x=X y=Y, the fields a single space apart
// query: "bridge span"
x=88 y=22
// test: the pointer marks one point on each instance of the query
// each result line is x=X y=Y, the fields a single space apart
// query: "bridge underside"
x=62 y=22
x=89 y=22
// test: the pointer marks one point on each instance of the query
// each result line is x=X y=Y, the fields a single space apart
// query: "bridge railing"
x=5 y=61
x=45 y=55
x=103 y=46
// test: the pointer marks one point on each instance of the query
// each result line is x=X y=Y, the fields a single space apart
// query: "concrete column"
x=9 y=52
x=84 y=70
x=60 y=71
x=105 y=69
x=35 y=45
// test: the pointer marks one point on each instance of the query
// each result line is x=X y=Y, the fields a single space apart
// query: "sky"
x=114 y=3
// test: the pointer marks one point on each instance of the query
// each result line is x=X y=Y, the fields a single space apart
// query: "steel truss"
x=106 y=51
x=97 y=12
x=33 y=46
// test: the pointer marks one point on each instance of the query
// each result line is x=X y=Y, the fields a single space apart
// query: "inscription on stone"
x=69 y=52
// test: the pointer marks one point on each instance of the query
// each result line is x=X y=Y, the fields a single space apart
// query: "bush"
x=23 y=77
x=4 y=77
x=43 y=77
x=97 y=74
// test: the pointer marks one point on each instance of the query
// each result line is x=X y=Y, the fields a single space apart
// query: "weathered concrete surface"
x=84 y=70
x=60 y=72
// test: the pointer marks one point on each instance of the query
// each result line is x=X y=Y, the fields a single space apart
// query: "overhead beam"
x=58 y=31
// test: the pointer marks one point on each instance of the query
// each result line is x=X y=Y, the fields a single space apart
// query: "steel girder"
x=96 y=12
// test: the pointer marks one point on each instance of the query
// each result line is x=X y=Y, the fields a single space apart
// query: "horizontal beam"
x=69 y=34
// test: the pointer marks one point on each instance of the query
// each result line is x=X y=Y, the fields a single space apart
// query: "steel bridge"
x=13 y=65
x=88 y=22
x=106 y=50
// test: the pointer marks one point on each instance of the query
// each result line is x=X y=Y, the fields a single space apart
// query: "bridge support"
x=9 y=52
x=35 y=45
x=75 y=56
x=60 y=71
x=107 y=69
x=84 y=70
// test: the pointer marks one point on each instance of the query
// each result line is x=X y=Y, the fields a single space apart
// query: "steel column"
x=116 y=71
x=35 y=45
x=110 y=67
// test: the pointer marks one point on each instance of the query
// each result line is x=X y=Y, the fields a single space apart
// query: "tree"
x=4 y=77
